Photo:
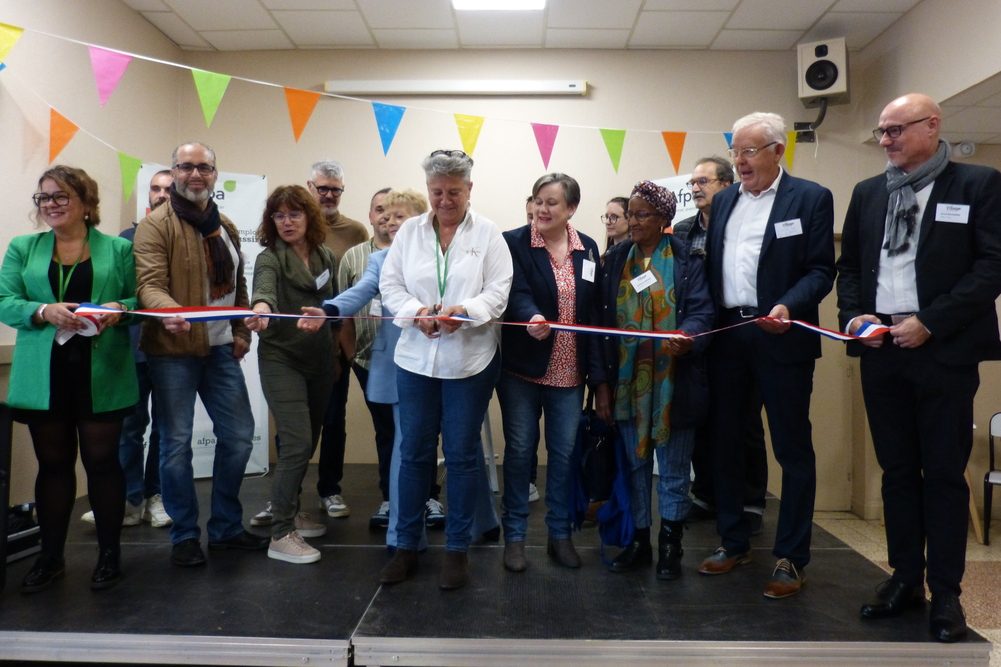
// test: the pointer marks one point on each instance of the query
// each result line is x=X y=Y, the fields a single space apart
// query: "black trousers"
x=385 y=430
x=334 y=436
x=921 y=417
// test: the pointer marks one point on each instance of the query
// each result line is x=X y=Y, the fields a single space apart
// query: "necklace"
x=64 y=280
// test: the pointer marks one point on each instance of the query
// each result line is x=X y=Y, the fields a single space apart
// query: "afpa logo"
x=227 y=186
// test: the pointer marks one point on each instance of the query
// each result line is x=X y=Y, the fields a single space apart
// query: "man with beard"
x=187 y=254
x=327 y=185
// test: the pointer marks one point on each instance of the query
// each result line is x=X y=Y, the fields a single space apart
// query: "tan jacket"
x=171 y=272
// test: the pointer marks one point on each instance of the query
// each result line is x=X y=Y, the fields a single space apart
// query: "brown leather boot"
x=402 y=565
x=454 y=571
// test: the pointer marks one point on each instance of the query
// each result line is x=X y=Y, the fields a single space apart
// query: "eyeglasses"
x=325 y=190
x=57 y=198
x=187 y=168
x=703 y=182
x=894 y=130
x=611 y=218
x=294 y=216
x=640 y=216
x=748 y=152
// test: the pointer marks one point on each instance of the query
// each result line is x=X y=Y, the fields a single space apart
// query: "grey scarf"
x=902 y=211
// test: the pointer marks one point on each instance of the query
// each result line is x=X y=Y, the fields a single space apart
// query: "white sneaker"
x=306 y=526
x=155 y=514
x=88 y=517
x=533 y=493
x=335 y=506
x=380 y=518
x=133 y=513
x=264 y=517
x=292 y=549
x=434 y=514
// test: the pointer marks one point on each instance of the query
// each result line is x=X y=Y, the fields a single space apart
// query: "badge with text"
x=587 y=271
x=788 y=228
x=323 y=279
x=375 y=309
x=958 y=213
x=642 y=281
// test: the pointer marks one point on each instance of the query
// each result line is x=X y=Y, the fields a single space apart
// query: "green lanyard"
x=64 y=281
x=442 y=277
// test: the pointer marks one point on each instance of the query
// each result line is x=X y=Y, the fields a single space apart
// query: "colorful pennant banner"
x=109 y=68
x=387 y=118
x=614 y=139
x=728 y=138
x=129 y=167
x=675 y=143
x=545 y=139
x=790 y=149
x=211 y=87
x=300 y=108
x=9 y=34
x=61 y=130
x=469 y=131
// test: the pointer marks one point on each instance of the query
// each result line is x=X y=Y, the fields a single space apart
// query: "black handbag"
x=596 y=441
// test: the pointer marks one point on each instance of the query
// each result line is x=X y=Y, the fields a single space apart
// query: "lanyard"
x=64 y=281
x=442 y=277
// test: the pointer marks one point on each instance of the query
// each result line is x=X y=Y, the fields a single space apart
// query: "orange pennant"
x=61 y=130
x=300 y=107
x=675 y=142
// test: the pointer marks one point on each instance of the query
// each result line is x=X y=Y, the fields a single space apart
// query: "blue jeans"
x=455 y=409
x=140 y=483
x=674 y=463
x=218 y=380
x=522 y=403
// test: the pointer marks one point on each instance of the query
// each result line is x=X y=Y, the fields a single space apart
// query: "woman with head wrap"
x=652 y=283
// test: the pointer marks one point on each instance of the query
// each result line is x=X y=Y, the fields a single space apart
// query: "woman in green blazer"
x=72 y=380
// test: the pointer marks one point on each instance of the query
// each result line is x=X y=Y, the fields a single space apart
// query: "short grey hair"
x=453 y=163
x=173 y=156
x=327 y=168
x=772 y=123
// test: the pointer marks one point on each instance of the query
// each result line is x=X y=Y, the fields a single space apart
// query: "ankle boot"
x=638 y=554
x=454 y=571
x=108 y=571
x=41 y=575
x=400 y=567
x=669 y=550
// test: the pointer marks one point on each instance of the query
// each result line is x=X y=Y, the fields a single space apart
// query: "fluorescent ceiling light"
x=498 y=5
x=447 y=87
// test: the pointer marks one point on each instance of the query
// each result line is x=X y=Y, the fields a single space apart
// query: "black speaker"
x=823 y=72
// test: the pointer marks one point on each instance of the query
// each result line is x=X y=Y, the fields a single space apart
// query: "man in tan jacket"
x=188 y=254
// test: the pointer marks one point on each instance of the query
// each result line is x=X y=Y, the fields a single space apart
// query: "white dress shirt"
x=896 y=280
x=478 y=278
x=744 y=233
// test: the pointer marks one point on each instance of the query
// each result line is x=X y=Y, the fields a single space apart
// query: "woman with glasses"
x=447 y=264
x=73 y=378
x=616 y=226
x=294 y=271
x=555 y=280
x=653 y=283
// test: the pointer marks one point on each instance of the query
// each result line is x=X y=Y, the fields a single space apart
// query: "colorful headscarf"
x=657 y=196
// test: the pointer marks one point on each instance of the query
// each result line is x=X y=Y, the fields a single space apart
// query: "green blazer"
x=24 y=286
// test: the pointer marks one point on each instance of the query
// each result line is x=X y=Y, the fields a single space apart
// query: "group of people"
x=921 y=254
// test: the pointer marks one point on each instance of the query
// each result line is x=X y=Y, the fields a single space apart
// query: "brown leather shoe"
x=400 y=568
x=722 y=561
x=563 y=552
x=454 y=571
x=514 y=557
x=785 y=582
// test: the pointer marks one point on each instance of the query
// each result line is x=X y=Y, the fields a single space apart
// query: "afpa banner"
x=241 y=198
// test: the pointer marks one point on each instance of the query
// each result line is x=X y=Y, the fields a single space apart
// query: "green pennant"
x=211 y=87
x=613 y=144
x=130 y=169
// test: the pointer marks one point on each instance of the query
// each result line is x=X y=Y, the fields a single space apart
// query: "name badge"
x=958 y=213
x=323 y=279
x=375 y=308
x=788 y=228
x=587 y=271
x=642 y=281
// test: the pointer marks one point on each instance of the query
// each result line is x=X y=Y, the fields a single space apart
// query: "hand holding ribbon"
x=256 y=322
x=777 y=321
x=538 y=331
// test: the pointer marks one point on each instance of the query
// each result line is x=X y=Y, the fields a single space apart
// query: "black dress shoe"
x=563 y=553
x=41 y=575
x=108 y=571
x=242 y=541
x=947 y=621
x=187 y=553
x=893 y=598
x=638 y=554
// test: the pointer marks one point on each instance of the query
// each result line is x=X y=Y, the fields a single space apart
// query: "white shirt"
x=744 y=233
x=896 y=280
x=478 y=278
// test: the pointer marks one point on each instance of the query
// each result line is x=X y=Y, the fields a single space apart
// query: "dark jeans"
x=140 y=482
x=382 y=421
x=331 y=466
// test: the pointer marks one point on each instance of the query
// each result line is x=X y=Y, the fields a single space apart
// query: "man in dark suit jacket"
x=771 y=256
x=921 y=251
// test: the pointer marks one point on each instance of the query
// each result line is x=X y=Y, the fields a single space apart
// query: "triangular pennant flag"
x=613 y=144
x=9 y=34
x=211 y=87
x=545 y=138
x=469 y=131
x=2 y=67
x=130 y=169
x=387 y=118
x=300 y=107
x=790 y=149
x=728 y=137
x=61 y=130
x=675 y=142
x=109 y=67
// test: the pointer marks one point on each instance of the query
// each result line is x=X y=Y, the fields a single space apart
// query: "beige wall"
x=642 y=91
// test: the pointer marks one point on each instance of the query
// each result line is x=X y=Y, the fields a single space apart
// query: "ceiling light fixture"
x=498 y=5
x=453 y=87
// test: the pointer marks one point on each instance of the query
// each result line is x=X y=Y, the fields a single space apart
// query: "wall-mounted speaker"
x=823 y=72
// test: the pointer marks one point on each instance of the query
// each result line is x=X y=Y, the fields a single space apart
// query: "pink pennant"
x=109 y=68
x=545 y=137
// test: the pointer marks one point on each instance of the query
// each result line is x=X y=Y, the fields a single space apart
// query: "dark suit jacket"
x=958 y=266
x=795 y=271
x=533 y=290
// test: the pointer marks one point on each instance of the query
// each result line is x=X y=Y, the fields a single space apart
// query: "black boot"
x=638 y=554
x=41 y=575
x=108 y=571
x=669 y=550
